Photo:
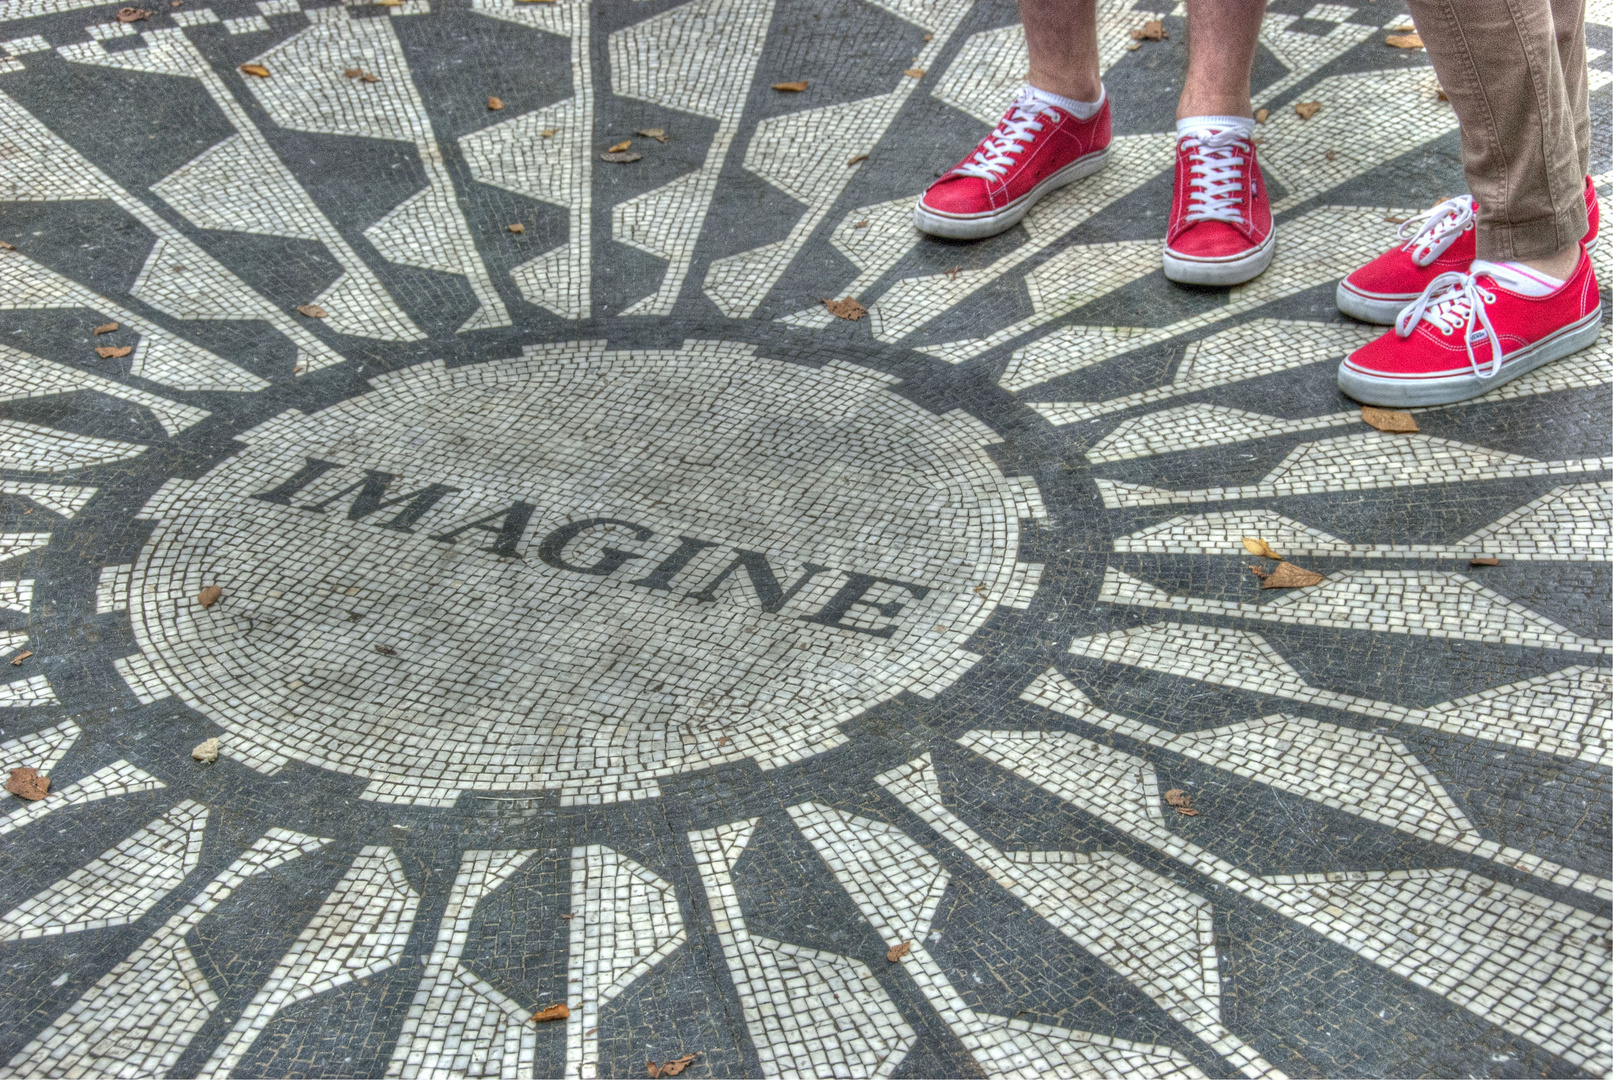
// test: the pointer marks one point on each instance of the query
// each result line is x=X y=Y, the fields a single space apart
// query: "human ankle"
x=1560 y=265
x=1077 y=87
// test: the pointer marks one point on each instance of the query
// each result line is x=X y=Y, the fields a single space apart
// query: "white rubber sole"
x=1234 y=270
x=1378 y=310
x=1448 y=389
x=980 y=226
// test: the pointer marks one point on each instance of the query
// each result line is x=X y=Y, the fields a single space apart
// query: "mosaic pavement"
x=603 y=623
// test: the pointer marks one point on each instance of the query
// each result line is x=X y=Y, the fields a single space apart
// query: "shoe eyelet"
x=1445 y=330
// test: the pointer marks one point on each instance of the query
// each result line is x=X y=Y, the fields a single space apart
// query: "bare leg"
x=1221 y=36
x=1062 y=38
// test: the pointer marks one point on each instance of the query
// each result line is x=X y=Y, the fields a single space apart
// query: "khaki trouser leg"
x=1515 y=73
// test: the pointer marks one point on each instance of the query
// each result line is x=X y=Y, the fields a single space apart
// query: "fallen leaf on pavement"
x=896 y=952
x=386 y=650
x=861 y=225
x=209 y=596
x=1332 y=155
x=4 y=246
x=1404 y=41
x=791 y=87
x=621 y=157
x=132 y=14
x=658 y=134
x=1256 y=546
x=313 y=311
x=206 y=751
x=1286 y=576
x=494 y=104
x=619 y=147
x=256 y=69
x=26 y=783
x=847 y=309
x=1134 y=46
x=16 y=661
x=1388 y=419
x=1481 y=560
x=1440 y=94
x=548 y=133
x=104 y=328
x=856 y=160
x=1307 y=109
x=1152 y=30
x=113 y=352
x=1187 y=811
x=365 y=76
x=557 y=1011
x=1177 y=797
x=517 y=228
x=673 y=1068
x=952 y=272
x=1262 y=115
x=914 y=73
x=571 y=916
x=353 y=73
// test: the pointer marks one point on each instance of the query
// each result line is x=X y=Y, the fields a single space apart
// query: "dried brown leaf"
x=114 y=352
x=846 y=308
x=1307 y=109
x=16 y=661
x=1134 y=46
x=619 y=147
x=367 y=77
x=929 y=37
x=673 y=1068
x=313 y=311
x=549 y=133
x=859 y=159
x=1480 y=560
x=620 y=157
x=4 y=246
x=1152 y=30
x=1262 y=115
x=1440 y=94
x=26 y=783
x=1187 y=811
x=1177 y=797
x=1404 y=41
x=255 y=69
x=861 y=225
x=652 y=1069
x=791 y=87
x=895 y=953
x=557 y=1011
x=209 y=596
x=494 y=104
x=517 y=228
x=658 y=134
x=386 y=650
x=1287 y=576
x=132 y=14
x=914 y=73
x=353 y=73
x=1256 y=546
x=206 y=752
x=104 y=328
x=1388 y=420
x=1332 y=155
x=571 y=916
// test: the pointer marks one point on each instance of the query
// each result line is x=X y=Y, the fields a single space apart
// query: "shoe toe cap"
x=957 y=195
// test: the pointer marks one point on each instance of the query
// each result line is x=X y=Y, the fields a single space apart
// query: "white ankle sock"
x=1081 y=110
x=1243 y=125
x=1517 y=277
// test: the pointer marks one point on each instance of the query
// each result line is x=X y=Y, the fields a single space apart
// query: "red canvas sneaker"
x=1469 y=333
x=1036 y=148
x=1220 y=231
x=1437 y=241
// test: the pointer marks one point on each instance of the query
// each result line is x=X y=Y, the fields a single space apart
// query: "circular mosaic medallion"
x=578 y=570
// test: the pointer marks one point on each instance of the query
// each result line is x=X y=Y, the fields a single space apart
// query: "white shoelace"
x=1437 y=229
x=1453 y=302
x=996 y=154
x=1217 y=166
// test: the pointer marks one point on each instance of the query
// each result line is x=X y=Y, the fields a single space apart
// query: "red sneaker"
x=1469 y=333
x=1438 y=241
x=1220 y=231
x=1034 y=149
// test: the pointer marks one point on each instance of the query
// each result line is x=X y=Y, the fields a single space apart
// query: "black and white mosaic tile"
x=605 y=624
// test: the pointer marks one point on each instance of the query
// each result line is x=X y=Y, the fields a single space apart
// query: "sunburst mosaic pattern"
x=604 y=623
